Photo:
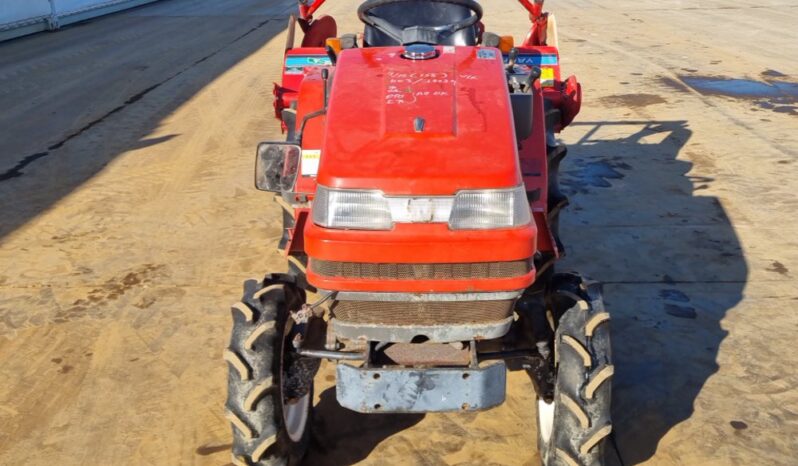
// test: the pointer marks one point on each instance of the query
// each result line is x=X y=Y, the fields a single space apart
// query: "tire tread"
x=582 y=389
x=259 y=438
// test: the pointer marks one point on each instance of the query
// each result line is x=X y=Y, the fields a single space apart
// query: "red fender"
x=318 y=31
x=571 y=100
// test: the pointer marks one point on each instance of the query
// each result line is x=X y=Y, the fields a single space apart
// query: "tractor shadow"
x=671 y=263
x=341 y=437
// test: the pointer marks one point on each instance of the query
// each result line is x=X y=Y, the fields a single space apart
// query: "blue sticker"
x=486 y=54
x=295 y=63
x=535 y=60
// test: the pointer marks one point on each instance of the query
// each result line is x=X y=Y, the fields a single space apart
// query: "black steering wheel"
x=417 y=34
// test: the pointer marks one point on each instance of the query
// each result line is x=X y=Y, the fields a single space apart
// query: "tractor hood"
x=419 y=127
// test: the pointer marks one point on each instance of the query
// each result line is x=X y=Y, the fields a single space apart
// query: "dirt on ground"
x=128 y=222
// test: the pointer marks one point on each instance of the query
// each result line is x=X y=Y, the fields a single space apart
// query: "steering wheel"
x=422 y=34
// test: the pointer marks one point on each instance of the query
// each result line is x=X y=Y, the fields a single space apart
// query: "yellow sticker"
x=310 y=162
x=547 y=77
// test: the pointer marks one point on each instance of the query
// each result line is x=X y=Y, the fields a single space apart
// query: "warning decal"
x=310 y=162
x=546 y=59
x=294 y=64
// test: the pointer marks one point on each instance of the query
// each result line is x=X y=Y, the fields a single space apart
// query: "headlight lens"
x=348 y=209
x=467 y=210
x=499 y=208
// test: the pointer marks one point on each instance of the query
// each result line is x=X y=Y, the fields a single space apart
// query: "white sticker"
x=448 y=49
x=310 y=162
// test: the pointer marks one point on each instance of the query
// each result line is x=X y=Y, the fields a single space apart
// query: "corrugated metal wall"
x=20 y=17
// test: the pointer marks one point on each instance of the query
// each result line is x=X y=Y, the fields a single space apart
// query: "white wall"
x=17 y=11
x=20 y=17
x=71 y=6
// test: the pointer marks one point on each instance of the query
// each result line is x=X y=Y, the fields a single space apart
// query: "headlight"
x=467 y=210
x=495 y=208
x=359 y=210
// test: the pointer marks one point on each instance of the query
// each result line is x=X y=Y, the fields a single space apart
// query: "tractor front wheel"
x=270 y=388
x=573 y=426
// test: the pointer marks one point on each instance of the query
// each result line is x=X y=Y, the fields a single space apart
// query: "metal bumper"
x=407 y=390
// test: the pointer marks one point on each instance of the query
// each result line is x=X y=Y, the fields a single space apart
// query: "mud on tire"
x=572 y=429
x=262 y=373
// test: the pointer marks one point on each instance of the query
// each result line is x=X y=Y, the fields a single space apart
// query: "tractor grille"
x=462 y=271
x=428 y=313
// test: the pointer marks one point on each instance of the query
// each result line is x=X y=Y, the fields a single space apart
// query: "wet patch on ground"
x=683 y=312
x=111 y=290
x=631 y=100
x=778 y=268
x=677 y=307
x=774 y=93
x=593 y=174
x=741 y=88
x=674 y=295
x=739 y=425
x=773 y=74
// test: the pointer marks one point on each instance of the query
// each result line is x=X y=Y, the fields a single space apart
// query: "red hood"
x=468 y=141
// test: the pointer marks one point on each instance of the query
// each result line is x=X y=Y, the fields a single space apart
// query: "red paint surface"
x=368 y=141
x=420 y=242
x=468 y=140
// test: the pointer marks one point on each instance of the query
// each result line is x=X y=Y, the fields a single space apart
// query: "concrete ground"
x=128 y=221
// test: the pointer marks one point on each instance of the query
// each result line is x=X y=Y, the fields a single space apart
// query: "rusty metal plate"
x=428 y=354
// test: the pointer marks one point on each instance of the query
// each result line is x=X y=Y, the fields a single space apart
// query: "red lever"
x=534 y=8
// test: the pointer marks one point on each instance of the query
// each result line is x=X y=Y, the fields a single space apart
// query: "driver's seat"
x=421 y=13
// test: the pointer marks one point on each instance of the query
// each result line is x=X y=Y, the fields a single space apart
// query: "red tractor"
x=420 y=197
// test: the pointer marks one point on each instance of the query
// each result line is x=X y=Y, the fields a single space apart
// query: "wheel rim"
x=295 y=416
x=295 y=412
x=545 y=419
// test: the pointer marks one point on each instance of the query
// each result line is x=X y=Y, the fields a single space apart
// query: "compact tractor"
x=420 y=200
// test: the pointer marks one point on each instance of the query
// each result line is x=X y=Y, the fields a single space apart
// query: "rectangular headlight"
x=493 y=208
x=350 y=209
x=467 y=210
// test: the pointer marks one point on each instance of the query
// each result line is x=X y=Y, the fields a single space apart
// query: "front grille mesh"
x=462 y=271
x=426 y=313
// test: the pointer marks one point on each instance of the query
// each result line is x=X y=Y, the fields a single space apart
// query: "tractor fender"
x=318 y=31
x=571 y=102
